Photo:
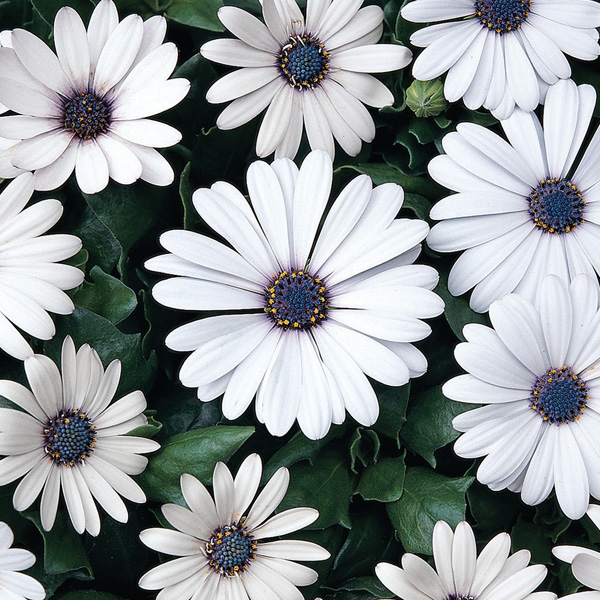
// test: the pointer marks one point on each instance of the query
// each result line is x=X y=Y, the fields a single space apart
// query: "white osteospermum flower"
x=502 y=53
x=222 y=544
x=6 y=43
x=460 y=574
x=523 y=211
x=313 y=321
x=31 y=278
x=13 y=584
x=85 y=107
x=311 y=73
x=69 y=437
x=584 y=562
x=537 y=372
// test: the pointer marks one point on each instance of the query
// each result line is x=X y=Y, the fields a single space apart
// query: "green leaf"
x=382 y=173
x=457 y=310
x=493 y=511
x=107 y=296
x=128 y=212
x=88 y=595
x=369 y=584
x=86 y=327
x=48 y=8
x=202 y=15
x=384 y=481
x=392 y=410
x=428 y=130
x=64 y=554
x=185 y=192
x=428 y=497
x=297 y=449
x=364 y=446
x=418 y=204
x=326 y=485
x=429 y=423
x=150 y=429
x=534 y=538
x=195 y=452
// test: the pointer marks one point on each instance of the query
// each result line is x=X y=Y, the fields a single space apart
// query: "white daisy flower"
x=86 y=107
x=222 y=544
x=68 y=438
x=523 y=211
x=502 y=53
x=460 y=574
x=585 y=562
x=31 y=278
x=6 y=43
x=311 y=73
x=13 y=584
x=537 y=373
x=311 y=322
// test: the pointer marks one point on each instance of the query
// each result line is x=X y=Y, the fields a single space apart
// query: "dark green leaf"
x=326 y=485
x=185 y=192
x=429 y=423
x=372 y=585
x=418 y=204
x=107 y=296
x=297 y=449
x=48 y=8
x=110 y=343
x=196 y=14
x=384 y=481
x=534 y=538
x=88 y=595
x=492 y=510
x=382 y=173
x=428 y=497
x=128 y=212
x=457 y=311
x=195 y=452
x=392 y=410
x=64 y=554
x=364 y=446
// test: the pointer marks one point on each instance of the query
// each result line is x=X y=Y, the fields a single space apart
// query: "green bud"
x=426 y=98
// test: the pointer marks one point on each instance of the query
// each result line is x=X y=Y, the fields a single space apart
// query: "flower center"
x=69 y=437
x=230 y=549
x=559 y=396
x=304 y=61
x=86 y=116
x=556 y=206
x=502 y=15
x=296 y=300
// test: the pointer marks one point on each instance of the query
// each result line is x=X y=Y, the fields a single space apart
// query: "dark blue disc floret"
x=502 y=16
x=296 y=300
x=86 y=116
x=304 y=62
x=559 y=396
x=231 y=549
x=69 y=437
x=556 y=206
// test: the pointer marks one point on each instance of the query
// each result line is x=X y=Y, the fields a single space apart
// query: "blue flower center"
x=304 y=61
x=69 y=438
x=296 y=300
x=502 y=16
x=86 y=116
x=230 y=549
x=556 y=206
x=559 y=396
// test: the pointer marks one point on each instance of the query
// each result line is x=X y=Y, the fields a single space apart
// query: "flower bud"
x=426 y=98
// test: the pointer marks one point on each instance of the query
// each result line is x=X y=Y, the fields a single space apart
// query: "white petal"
x=72 y=47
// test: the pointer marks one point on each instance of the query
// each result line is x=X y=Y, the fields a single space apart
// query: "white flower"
x=68 y=438
x=502 y=52
x=523 y=210
x=86 y=108
x=6 y=43
x=13 y=584
x=310 y=73
x=311 y=322
x=584 y=562
x=537 y=373
x=221 y=541
x=461 y=574
x=31 y=278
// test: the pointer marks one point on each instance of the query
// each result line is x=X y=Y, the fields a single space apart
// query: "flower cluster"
x=308 y=297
